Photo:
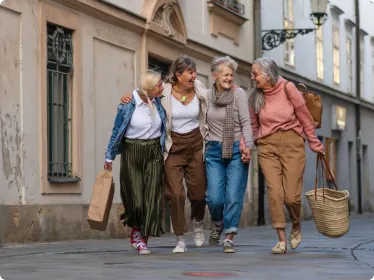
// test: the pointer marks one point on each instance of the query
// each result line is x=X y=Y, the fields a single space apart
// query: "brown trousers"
x=185 y=160
x=282 y=160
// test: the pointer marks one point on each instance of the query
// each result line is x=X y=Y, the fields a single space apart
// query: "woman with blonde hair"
x=281 y=122
x=139 y=135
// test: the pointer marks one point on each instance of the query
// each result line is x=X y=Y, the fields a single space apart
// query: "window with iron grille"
x=59 y=101
x=158 y=66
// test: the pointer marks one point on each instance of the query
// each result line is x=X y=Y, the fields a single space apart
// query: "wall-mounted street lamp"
x=275 y=37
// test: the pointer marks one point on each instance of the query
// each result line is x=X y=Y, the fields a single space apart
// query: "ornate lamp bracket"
x=275 y=37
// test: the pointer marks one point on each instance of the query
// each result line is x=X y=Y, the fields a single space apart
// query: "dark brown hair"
x=180 y=65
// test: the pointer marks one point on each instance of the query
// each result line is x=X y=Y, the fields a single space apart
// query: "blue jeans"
x=227 y=182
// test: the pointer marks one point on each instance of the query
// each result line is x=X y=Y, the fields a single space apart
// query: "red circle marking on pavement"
x=208 y=274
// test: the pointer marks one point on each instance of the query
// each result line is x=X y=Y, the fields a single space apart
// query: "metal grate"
x=232 y=5
x=59 y=107
x=158 y=66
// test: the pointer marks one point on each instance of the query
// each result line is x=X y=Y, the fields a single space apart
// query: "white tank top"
x=185 y=118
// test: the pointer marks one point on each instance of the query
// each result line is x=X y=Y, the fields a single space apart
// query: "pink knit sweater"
x=281 y=114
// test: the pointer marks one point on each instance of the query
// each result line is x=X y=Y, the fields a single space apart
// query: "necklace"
x=184 y=95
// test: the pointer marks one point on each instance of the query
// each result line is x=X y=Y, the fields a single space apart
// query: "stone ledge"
x=23 y=224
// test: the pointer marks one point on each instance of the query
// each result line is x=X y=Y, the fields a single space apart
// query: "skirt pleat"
x=142 y=190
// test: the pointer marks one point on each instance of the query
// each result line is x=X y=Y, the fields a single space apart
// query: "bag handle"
x=286 y=91
x=325 y=170
x=328 y=170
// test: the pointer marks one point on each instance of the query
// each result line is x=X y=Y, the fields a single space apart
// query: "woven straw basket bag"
x=329 y=207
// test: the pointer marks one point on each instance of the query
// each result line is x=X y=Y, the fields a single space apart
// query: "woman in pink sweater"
x=280 y=126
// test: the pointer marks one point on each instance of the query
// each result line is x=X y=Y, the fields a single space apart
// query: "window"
x=348 y=48
x=289 y=51
x=366 y=177
x=158 y=66
x=59 y=101
x=319 y=53
x=362 y=65
x=233 y=5
x=331 y=157
x=372 y=66
x=336 y=54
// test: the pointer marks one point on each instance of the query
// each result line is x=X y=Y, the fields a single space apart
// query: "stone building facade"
x=64 y=64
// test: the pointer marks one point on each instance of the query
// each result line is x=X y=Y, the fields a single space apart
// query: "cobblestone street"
x=318 y=257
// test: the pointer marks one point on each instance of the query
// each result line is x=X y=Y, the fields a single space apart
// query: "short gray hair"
x=270 y=68
x=226 y=60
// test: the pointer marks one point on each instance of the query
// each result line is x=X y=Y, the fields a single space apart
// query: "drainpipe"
x=257 y=52
x=358 y=108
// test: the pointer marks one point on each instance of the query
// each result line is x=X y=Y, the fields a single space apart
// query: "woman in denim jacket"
x=139 y=135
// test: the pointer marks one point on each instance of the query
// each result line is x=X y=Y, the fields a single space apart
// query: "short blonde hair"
x=148 y=80
x=225 y=60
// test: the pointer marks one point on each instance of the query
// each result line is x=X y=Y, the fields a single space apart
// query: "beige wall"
x=197 y=18
x=134 y=6
x=16 y=108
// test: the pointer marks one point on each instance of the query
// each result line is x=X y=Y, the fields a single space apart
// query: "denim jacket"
x=122 y=120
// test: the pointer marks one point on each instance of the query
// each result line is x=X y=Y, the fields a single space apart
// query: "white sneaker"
x=180 y=248
x=198 y=234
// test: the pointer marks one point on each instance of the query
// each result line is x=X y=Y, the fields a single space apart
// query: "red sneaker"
x=135 y=238
x=142 y=248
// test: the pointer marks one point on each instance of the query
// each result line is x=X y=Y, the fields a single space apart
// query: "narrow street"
x=349 y=257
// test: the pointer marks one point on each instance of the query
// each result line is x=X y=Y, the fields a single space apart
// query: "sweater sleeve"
x=305 y=118
x=244 y=117
x=255 y=123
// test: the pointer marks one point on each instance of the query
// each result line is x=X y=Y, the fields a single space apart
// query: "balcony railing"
x=231 y=5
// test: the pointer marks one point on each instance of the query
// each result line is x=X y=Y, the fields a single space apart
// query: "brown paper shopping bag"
x=101 y=201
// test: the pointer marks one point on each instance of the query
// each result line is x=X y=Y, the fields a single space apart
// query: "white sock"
x=197 y=224
x=180 y=238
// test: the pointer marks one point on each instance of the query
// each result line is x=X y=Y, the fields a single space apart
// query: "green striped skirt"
x=142 y=190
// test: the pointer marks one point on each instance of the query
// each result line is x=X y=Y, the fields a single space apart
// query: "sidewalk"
x=318 y=257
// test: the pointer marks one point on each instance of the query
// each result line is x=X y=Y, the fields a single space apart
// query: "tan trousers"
x=282 y=160
x=185 y=160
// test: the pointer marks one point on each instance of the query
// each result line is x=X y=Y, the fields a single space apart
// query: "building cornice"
x=363 y=33
x=108 y=12
x=336 y=10
x=349 y=23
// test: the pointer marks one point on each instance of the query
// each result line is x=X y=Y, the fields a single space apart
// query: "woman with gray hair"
x=280 y=123
x=228 y=120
